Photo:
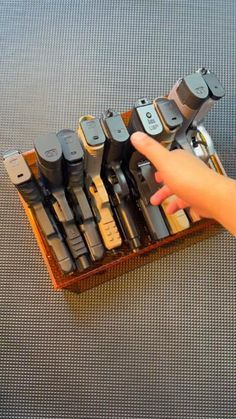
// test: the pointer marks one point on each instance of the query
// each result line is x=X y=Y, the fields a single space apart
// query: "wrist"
x=224 y=209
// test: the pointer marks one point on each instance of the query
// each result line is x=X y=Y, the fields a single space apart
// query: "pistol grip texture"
x=103 y=213
x=53 y=238
x=88 y=226
x=177 y=221
x=130 y=230
x=76 y=174
x=93 y=161
x=30 y=192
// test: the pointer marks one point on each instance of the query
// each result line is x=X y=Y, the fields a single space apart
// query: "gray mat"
x=159 y=342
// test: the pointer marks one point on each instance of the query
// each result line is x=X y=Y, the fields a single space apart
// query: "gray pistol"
x=49 y=157
x=21 y=176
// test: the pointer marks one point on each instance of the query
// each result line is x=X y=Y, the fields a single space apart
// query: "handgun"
x=171 y=119
x=144 y=118
x=189 y=94
x=74 y=159
x=196 y=135
x=92 y=139
x=22 y=177
x=114 y=178
x=144 y=172
x=195 y=95
x=192 y=215
x=49 y=159
x=216 y=92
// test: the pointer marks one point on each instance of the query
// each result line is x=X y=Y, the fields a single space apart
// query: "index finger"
x=150 y=148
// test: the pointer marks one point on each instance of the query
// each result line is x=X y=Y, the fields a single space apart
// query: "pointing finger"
x=150 y=148
x=160 y=195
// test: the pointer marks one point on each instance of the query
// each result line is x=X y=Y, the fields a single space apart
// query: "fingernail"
x=154 y=200
x=138 y=137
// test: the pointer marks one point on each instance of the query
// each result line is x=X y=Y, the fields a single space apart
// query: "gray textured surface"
x=160 y=342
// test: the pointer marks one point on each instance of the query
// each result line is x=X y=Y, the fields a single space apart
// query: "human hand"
x=192 y=181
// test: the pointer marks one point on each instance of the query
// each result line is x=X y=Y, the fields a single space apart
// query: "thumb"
x=150 y=148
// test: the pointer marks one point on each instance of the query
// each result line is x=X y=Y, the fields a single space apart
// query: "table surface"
x=158 y=342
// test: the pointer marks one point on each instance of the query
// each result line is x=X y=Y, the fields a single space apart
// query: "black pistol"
x=74 y=160
x=113 y=176
x=144 y=118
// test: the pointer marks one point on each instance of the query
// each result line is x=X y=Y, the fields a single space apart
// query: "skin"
x=194 y=184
